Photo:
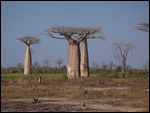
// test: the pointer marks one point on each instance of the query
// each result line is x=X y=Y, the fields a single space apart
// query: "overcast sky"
x=118 y=20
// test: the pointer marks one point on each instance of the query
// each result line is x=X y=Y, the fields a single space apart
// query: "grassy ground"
x=22 y=75
x=99 y=93
x=61 y=75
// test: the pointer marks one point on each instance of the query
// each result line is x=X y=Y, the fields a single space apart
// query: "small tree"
x=111 y=66
x=104 y=68
x=143 y=27
x=95 y=67
x=146 y=65
x=59 y=61
x=35 y=67
x=47 y=65
x=122 y=51
x=28 y=40
x=20 y=67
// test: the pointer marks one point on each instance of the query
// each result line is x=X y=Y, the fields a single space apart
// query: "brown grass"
x=75 y=89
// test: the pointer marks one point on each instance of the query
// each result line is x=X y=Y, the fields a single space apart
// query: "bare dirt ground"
x=85 y=95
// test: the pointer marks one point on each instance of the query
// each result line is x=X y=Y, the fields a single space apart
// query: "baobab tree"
x=84 y=64
x=122 y=51
x=74 y=35
x=143 y=27
x=28 y=40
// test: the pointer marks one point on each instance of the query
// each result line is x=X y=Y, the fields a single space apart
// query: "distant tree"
x=143 y=26
x=122 y=51
x=35 y=67
x=59 y=61
x=47 y=65
x=104 y=68
x=111 y=66
x=146 y=65
x=19 y=67
x=74 y=36
x=95 y=65
x=28 y=40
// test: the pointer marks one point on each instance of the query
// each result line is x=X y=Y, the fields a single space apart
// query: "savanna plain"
x=56 y=93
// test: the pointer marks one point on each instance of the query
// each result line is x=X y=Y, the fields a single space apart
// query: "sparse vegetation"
x=98 y=90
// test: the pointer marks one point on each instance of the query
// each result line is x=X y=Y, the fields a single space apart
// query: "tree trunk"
x=27 y=62
x=124 y=67
x=59 y=66
x=84 y=65
x=73 y=68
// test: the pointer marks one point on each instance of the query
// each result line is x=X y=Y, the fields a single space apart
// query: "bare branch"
x=82 y=37
x=49 y=33
x=121 y=50
x=59 y=61
x=143 y=27
x=99 y=37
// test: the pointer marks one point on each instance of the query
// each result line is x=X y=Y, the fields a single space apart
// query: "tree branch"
x=81 y=38
x=50 y=35
x=143 y=27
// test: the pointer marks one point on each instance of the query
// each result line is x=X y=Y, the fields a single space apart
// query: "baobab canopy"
x=29 y=40
x=73 y=32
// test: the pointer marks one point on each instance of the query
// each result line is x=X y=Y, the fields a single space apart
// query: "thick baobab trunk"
x=27 y=62
x=84 y=64
x=73 y=68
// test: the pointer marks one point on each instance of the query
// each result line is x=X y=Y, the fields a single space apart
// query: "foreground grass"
x=76 y=89
x=27 y=86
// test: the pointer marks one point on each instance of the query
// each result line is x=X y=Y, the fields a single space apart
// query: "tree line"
x=104 y=69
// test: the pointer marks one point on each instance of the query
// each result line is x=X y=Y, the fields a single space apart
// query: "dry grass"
x=75 y=90
x=24 y=89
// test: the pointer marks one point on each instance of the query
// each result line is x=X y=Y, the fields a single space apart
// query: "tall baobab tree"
x=28 y=40
x=74 y=35
x=143 y=26
x=122 y=51
x=84 y=64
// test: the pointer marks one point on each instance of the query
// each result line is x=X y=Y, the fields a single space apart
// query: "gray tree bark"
x=73 y=67
x=28 y=60
x=84 y=64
